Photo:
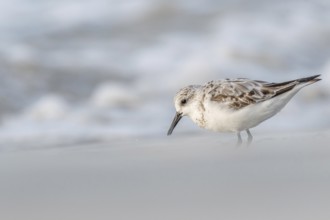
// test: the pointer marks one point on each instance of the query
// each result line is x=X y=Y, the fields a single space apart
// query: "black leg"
x=250 y=137
x=239 y=139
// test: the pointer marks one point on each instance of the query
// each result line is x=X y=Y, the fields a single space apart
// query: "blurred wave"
x=97 y=70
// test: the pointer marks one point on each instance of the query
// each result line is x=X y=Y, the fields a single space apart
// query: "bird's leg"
x=239 y=140
x=250 y=137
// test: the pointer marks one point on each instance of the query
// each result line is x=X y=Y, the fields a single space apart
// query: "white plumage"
x=234 y=105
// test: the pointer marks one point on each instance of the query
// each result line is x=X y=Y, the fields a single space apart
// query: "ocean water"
x=83 y=71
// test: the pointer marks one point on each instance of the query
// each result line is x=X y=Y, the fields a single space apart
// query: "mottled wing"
x=239 y=93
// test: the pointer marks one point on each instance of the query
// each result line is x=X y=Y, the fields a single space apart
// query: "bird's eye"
x=183 y=101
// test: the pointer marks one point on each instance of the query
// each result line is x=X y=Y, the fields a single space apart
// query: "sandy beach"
x=198 y=176
x=86 y=99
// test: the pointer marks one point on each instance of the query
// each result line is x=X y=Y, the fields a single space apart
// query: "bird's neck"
x=197 y=112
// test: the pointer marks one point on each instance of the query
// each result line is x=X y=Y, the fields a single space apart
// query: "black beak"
x=175 y=121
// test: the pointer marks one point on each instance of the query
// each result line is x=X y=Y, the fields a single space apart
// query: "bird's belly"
x=237 y=120
x=223 y=121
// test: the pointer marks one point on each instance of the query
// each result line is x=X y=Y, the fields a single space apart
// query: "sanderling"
x=234 y=105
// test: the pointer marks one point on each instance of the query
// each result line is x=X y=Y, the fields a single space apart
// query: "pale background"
x=86 y=89
x=75 y=71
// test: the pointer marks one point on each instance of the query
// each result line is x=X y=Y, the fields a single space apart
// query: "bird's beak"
x=175 y=121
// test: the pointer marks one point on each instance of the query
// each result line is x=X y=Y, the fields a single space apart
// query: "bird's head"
x=184 y=102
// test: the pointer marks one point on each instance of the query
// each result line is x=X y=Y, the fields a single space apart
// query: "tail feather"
x=310 y=79
x=284 y=87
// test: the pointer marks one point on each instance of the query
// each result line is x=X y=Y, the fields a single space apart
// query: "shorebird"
x=235 y=105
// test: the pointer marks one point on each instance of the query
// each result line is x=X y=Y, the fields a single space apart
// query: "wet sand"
x=204 y=176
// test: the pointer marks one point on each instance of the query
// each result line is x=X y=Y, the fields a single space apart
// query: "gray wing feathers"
x=239 y=93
